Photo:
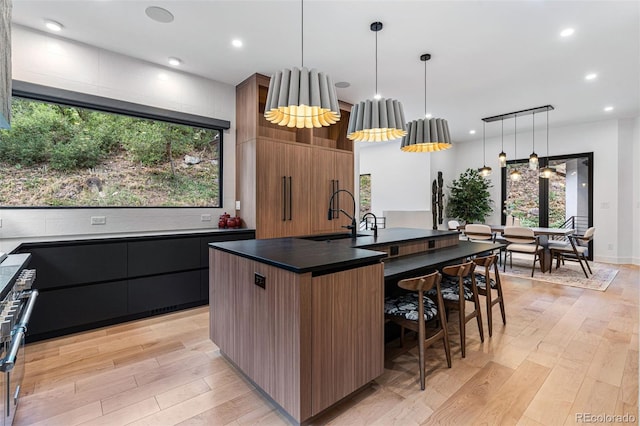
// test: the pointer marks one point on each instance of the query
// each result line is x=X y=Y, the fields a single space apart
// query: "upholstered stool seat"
x=450 y=289
x=481 y=282
x=406 y=306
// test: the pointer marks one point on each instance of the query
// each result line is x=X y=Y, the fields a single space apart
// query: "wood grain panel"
x=263 y=330
x=347 y=333
x=410 y=248
x=246 y=109
x=322 y=168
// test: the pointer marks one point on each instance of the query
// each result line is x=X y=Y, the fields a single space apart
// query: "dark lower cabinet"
x=92 y=283
x=72 y=307
x=163 y=291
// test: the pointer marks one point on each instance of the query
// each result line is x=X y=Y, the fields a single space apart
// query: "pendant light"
x=547 y=172
x=502 y=157
x=302 y=98
x=515 y=174
x=426 y=134
x=533 y=158
x=484 y=171
x=377 y=119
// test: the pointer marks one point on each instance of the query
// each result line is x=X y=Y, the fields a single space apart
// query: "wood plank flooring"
x=564 y=351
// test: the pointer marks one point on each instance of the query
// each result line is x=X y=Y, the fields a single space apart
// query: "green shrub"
x=470 y=199
x=79 y=152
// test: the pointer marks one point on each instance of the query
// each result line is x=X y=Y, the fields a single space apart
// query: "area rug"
x=568 y=274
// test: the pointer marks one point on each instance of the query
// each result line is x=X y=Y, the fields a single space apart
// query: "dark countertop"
x=423 y=263
x=300 y=255
x=10 y=269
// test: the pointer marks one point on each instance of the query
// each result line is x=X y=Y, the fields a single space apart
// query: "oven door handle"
x=24 y=321
x=9 y=361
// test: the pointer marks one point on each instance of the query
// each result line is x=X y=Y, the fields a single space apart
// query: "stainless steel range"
x=17 y=300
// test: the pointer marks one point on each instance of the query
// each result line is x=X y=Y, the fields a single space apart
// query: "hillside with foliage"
x=65 y=156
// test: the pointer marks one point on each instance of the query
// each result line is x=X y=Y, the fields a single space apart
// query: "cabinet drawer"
x=146 y=294
x=160 y=256
x=79 y=264
x=65 y=308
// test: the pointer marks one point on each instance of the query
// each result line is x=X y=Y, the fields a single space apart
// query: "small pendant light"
x=377 y=119
x=533 y=158
x=484 y=171
x=547 y=172
x=515 y=174
x=426 y=134
x=502 y=157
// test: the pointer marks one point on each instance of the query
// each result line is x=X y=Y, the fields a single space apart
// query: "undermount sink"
x=329 y=237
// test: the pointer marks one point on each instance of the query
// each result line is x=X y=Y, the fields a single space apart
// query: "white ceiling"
x=488 y=57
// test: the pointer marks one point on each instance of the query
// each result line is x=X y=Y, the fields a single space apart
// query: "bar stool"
x=407 y=309
x=455 y=293
x=482 y=275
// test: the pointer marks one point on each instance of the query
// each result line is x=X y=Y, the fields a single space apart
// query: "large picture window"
x=65 y=155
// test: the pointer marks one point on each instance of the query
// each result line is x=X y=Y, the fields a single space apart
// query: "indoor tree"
x=469 y=197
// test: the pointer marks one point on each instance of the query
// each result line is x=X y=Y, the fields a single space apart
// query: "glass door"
x=565 y=200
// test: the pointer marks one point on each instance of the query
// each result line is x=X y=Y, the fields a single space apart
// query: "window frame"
x=37 y=92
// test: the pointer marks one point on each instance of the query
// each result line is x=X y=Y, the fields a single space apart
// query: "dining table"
x=546 y=233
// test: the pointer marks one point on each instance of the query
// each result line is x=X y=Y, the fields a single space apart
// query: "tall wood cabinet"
x=285 y=176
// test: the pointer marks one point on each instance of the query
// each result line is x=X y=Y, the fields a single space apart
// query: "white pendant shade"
x=427 y=135
x=376 y=121
x=302 y=98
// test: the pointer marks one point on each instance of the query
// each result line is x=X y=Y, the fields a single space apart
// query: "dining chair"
x=509 y=220
x=453 y=225
x=485 y=266
x=575 y=248
x=455 y=295
x=479 y=233
x=414 y=309
x=522 y=240
x=516 y=221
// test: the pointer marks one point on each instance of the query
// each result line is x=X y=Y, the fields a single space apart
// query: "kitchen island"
x=303 y=317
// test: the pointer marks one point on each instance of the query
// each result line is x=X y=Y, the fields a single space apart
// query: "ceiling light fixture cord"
x=425 y=88
x=484 y=152
x=547 y=135
x=502 y=123
x=376 y=62
x=302 y=32
x=533 y=132
x=515 y=136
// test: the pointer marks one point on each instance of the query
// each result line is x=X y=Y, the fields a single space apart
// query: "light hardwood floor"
x=563 y=351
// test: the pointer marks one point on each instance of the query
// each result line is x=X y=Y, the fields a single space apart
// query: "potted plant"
x=469 y=198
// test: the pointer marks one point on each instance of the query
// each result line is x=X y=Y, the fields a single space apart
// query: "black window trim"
x=55 y=95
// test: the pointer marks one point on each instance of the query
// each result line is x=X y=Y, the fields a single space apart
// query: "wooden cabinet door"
x=270 y=206
x=297 y=183
x=282 y=189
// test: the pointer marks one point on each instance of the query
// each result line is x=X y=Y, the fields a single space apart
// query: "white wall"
x=43 y=59
x=399 y=180
x=635 y=194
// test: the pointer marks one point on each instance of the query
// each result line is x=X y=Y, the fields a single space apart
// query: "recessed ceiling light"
x=472 y=132
x=377 y=96
x=343 y=84
x=567 y=32
x=608 y=108
x=428 y=115
x=53 y=25
x=236 y=42
x=159 y=14
x=591 y=76
x=174 y=61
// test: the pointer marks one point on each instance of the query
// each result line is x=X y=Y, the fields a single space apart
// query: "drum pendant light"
x=515 y=174
x=502 y=157
x=377 y=119
x=547 y=172
x=533 y=158
x=426 y=134
x=302 y=98
x=484 y=171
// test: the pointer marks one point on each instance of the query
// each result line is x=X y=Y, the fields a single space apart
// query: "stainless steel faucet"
x=354 y=224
